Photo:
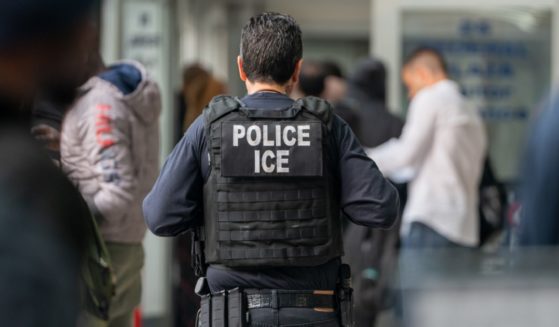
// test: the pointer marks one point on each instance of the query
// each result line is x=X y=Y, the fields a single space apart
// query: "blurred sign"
x=142 y=35
x=501 y=60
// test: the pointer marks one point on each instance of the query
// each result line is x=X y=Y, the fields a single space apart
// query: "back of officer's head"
x=271 y=48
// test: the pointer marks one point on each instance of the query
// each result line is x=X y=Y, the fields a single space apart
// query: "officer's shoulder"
x=318 y=107
x=219 y=106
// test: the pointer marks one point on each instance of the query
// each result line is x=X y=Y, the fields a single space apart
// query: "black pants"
x=285 y=317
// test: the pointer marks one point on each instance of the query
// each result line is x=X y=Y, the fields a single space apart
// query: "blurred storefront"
x=500 y=51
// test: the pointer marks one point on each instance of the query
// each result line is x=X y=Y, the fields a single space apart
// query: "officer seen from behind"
x=264 y=180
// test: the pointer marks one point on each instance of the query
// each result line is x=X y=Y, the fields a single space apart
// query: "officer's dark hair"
x=427 y=56
x=271 y=46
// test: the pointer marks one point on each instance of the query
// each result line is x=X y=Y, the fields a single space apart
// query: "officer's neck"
x=257 y=87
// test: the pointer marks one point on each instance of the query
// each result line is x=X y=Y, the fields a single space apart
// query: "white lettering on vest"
x=257 y=161
x=286 y=131
x=257 y=138
x=268 y=154
x=274 y=160
x=283 y=161
x=265 y=135
x=238 y=133
x=303 y=135
x=278 y=135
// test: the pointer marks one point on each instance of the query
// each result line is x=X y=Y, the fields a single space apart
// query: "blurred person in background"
x=43 y=219
x=539 y=223
x=110 y=150
x=335 y=84
x=372 y=253
x=199 y=86
x=441 y=151
x=198 y=89
x=272 y=240
x=312 y=80
x=323 y=79
x=46 y=123
x=366 y=96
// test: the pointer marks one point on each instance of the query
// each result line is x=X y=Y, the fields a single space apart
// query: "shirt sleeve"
x=399 y=157
x=367 y=198
x=175 y=203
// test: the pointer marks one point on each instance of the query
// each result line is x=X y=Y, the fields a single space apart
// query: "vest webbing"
x=270 y=220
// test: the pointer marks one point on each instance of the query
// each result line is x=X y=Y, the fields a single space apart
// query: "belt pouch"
x=205 y=310
x=236 y=309
x=219 y=312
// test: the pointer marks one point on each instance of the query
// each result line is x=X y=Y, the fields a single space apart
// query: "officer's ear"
x=297 y=72
x=242 y=74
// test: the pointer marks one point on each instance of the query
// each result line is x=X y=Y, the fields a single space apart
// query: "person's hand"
x=47 y=135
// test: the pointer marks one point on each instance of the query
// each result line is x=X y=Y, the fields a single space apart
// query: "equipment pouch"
x=197 y=251
x=345 y=296
x=236 y=307
x=219 y=309
x=205 y=314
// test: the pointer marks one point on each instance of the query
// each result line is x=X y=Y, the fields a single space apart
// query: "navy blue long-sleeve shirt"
x=175 y=204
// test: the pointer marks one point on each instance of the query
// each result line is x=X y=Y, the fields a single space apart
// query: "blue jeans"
x=422 y=236
x=285 y=317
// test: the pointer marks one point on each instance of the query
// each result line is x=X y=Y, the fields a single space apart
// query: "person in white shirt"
x=441 y=152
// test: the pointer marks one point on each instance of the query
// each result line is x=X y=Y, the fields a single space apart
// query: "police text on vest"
x=272 y=160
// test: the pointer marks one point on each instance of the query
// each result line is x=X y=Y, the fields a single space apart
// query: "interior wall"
x=210 y=30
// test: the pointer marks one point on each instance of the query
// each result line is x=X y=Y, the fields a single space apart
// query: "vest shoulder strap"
x=220 y=106
x=318 y=107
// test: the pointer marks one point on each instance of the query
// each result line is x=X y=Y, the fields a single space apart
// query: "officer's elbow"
x=390 y=219
x=150 y=215
x=391 y=211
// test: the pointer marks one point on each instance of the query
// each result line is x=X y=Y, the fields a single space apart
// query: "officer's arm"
x=367 y=198
x=174 y=204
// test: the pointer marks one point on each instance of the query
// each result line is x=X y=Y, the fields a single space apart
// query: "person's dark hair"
x=271 y=46
x=436 y=61
x=312 y=80
x=369 y=78
x=332 y=68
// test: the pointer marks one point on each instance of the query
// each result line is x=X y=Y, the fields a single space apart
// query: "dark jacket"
x=371 y=253
x=366 y=104
x=43 y=231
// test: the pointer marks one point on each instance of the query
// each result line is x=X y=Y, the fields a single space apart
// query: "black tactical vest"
x=272 y=196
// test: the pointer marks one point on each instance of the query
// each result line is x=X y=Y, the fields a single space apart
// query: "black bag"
x=492 y=205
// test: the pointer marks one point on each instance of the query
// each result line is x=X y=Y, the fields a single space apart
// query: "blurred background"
x=501 y=52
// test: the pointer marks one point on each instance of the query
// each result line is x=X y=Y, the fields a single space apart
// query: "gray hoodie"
x=110 y=147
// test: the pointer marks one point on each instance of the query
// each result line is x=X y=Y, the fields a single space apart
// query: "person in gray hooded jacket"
x=109 y=149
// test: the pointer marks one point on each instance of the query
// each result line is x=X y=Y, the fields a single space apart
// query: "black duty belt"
x=232 y=308
x=275 y=299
